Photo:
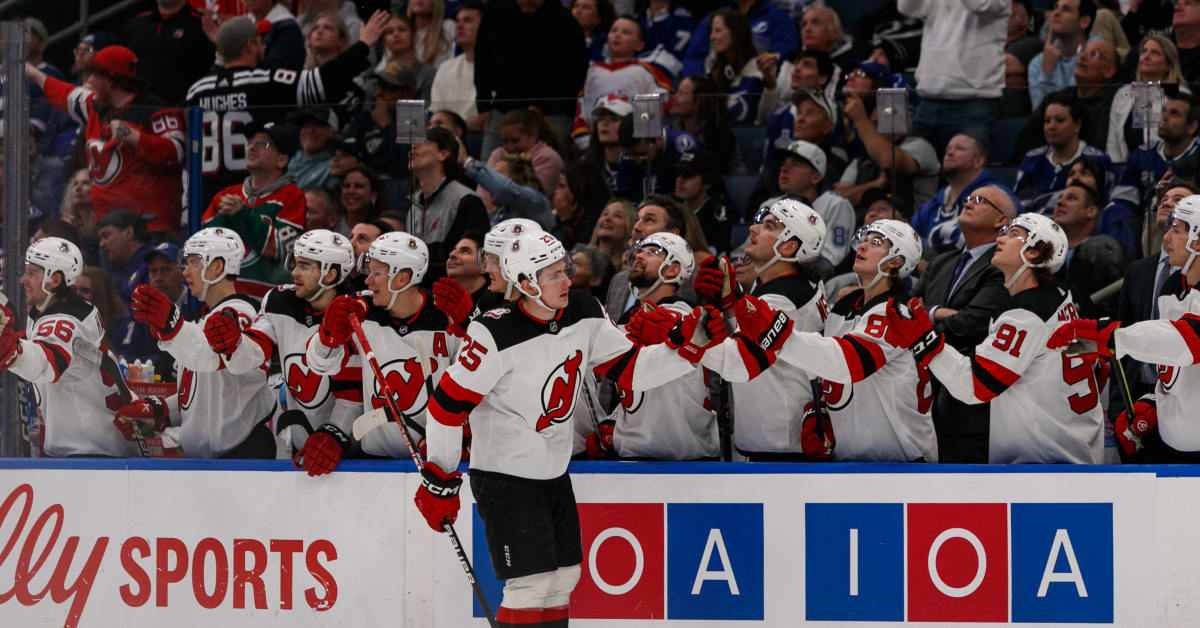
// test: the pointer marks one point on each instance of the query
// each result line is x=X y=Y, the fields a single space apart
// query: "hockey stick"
x=722 y=387
x=1123 y=385
x=389 y=397
x=107 y=365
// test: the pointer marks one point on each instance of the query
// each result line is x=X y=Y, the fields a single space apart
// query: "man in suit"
x=963 y=292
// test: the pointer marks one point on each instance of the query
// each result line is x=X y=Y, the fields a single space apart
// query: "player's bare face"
x=870 y=252
x=644 y=270
x=1008 y=249
x=1175 y=243
x=555 y=283
x=193 y=271
x=306 y=275
x=31 y=281
x=760 y=246
x=491 y=266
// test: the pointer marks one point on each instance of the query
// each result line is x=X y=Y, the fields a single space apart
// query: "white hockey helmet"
x=529 y=253
x=906 y=245
x=400 y=251
x=210 y=245
x=1187 y=210
x=331 y=250
x=674 y=249
x=504 y=232
x=800 y=222
x=55 y=255
x=1040 y=229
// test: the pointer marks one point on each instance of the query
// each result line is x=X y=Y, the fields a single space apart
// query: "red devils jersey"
x=146 y=178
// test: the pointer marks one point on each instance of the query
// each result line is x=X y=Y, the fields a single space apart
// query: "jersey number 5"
x=471 y=355
x=1075 y=370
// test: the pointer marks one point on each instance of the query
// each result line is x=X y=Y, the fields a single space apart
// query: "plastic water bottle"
x=148 y=372
x=124 y=366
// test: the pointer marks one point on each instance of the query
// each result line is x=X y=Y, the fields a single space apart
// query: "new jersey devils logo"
x=836 y=395
x=1168 y=375
x=103 y=165
x=631 y=400
x=186 y=388
x=306 y=387
x=558 y=392
x=403 y=377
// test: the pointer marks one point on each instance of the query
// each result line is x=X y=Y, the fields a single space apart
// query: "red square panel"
x=957 y=562
x=622 y=562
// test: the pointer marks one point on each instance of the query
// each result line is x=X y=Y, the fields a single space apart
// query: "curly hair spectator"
x=362 y=195
x=432 y=32
x=1043 y=170
x=594 y=17
x=701 y=110
x=733 y=68
x=613 y=229
x=1157 y=61
x=578 y=200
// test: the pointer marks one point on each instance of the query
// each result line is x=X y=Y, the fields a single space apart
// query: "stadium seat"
x=737 y=193
x=750 y=144
x=475 y=144
x=1004 y=140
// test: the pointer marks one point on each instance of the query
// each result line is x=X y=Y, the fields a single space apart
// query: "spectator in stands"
x=656 y=213
x=1107 y=26
x=622 y=75
x=529 y=52
x=604 y=147
x=700 y=110
x=76 y=210
x=453 y=86
x=86 y=50
x=801 y=170
x=1020 y=40
x=125 y=241
x=321 y=211
x=442 y=209
x=961 y=72
x=578 y=200
x=170 y=44
x=1054 y=68
x=594 y=17
x=347 y=153
x=775 y=33
x=812 y=70
x=1177 y=140
x=654 y=158
x=1043 y=171
x=361 y=195
x=821 y=29
x=1093 y=260
x=1158 y=60
x=452 y=122
x=1186 y=23
x=1014 y=100
x=399 y=51
x=915 y=166
x=733 y=69
x=699 y=187
x=963 y=291
x=47 y=123
x=592 y=270
x=284 y=42
x=667 y=26
x=510 y=190
x=878 y=205
x=96 y=286
x=433 y=33
x=525 y=132
x=462 y=264
x=340 y=9
x=814 y=122
x=57 y=228
x=327 y=36
x=267 y=210
x=962 y=168
x=375 y=129
x=613 y=230
x=310 y=165
x=1094 y=88
x=364 y=233
x=167 y=277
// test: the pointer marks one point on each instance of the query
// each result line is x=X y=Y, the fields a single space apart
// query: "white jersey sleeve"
x=258 y=339
x=190 y=347
x=479 y=366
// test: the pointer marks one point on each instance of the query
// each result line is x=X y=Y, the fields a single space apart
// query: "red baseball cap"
x=116 y=60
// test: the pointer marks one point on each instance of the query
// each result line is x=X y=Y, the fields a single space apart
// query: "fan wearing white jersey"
x=323 y=405
x=76 y=398
x=220 y=414
x=784 y=237
x=518 y=376
x=1044 y=404
x=401 y=324
x=1164 y=428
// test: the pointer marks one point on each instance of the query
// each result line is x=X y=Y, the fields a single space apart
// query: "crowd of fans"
x=530 y=115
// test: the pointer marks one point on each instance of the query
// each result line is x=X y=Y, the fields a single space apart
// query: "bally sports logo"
x=219 y=570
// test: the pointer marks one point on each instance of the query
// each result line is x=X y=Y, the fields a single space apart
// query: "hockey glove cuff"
x=1130 y=433
x=150 y=415
x=155 y=310
x=322 y=450
x=437 y=497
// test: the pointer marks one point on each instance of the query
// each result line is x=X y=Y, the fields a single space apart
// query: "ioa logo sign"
x=711 y=569
x=959 y=562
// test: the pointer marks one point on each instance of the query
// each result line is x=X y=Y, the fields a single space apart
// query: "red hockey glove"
x=322 y=450
x=697 y=332
x=455 y=302
x=1145 y=420
x=911 y=328
x=816 y=443
x=10 y=342
x=437 y=497
x=223 y=332
x=335 y=329
x=150 y=414
x=650 y=324
x=1086 y=329
x=157 y=311
x=762 y=324
x=715 y=282
x=600 y=443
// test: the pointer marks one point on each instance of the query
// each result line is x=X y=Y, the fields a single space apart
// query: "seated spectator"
x=1043 y=171
x=802 y=167
x=592 y=270
x=58 y=228
x=814 y=122
x=86 y=51
x=604 y=145
x=364 y=233
x=1177 y=140
x=1093 y=260
x=1014 y=101
x=125 y=241
x=76 y=210
x=167 y=277
x=172 y=46
x=394 y=219
x=1158 y=61
x=310 y=165
x=347 y=153
x=452 y=122
x=442 y=209
x=821 y=29
x=1094 y=89
x=701 y=111
x=1054 y=68
x=432 y=32
x=1108 y=26
x=594 y=17
x=1020 y=40
x=578 y=200
x=510 y=190
x=453 y=87
x=733 y=67
x=775 y=32
x=1185 y=22
x=96 y=286
x=622 y=76
x=644 y=158
x=46 y=177
x=341 y=9
x=524 y=132
x=910 y=160
x=667 y=26
x=284 y=43
x=327 y=37
x=463 y=266
x=47 y=123
x=699 y=187
x=321 y=211
x=398 y=47
x=266 y=211
x=962 y=168
x=656 y=213
x=375 y=129
x=811 y=70
x=361 y=195
x=613 y=231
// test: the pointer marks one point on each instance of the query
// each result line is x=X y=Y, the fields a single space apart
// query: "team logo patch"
x=559 y=392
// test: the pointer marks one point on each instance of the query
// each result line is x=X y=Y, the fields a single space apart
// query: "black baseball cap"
x=351 y=146
x=697 y=162
x=279 y=136
x=320 y=115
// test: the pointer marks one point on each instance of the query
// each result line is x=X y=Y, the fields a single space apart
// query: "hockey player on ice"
x=220 y=414
x=517 y=377
x=1164 y=427
x=1044 y=404
x=76 y=399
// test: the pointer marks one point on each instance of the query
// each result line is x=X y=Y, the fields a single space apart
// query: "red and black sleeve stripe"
x=346 y=384
x=1189 y=328
x=753 y=357
x=57 y=356
x=452 y=404
x=620 y=368
x=991 y=379
x=863 y=357
x=262 y=340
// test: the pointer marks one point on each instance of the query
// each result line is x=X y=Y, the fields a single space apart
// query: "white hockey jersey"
x=878 y=400
x=395 y=345
x=1173 y=343
x=768 y=406
x=622 y=80
x=1044 y=404
x=77 y=400
x=669 y=422
x=518 y=379
x=284 y=324
x=215 y=409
